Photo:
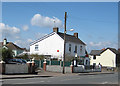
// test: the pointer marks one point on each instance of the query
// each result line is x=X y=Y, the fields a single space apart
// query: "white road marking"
x=30 y=82
x=104 y=83
x=70 y=79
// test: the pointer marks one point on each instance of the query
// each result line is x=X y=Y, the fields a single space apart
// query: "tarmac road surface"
x=67 y=79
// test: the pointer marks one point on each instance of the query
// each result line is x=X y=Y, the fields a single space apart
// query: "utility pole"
x=64 y=43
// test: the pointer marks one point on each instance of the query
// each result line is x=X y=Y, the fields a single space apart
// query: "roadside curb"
x=35 y=76
x=95 y=73
x=24 y=77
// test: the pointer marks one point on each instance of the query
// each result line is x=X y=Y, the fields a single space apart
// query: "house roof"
x=98 y=52
x=12 y=46
x=71 y=38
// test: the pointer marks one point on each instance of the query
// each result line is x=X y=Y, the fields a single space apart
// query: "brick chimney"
x=76 y=35
x=56 y=29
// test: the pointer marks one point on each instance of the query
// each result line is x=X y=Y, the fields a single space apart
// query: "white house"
x=16 y=49
x=53 y=44
x=107 y=57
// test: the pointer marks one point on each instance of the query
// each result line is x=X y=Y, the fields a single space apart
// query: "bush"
x=6 y=54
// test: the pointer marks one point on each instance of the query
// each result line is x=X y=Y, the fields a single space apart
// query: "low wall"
x=78 y=69
x=56 y=68
x=16 y=68
x=81 y=68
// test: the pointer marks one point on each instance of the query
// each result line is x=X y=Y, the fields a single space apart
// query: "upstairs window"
x=94 y=57
x=80 y=48
x=69 y=47
x=36 y=47
x=76 y=49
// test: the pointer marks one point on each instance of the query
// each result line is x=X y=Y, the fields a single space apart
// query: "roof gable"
x=98 y=52
x=42 y=38
x=111 y=49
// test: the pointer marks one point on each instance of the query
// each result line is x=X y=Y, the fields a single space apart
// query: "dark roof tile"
x=71 y=38
x=98 y=52
x=12 y=46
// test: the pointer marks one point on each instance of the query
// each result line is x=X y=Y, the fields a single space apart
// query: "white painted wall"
x=79 y=52
x=107 y=59
x=49 y=46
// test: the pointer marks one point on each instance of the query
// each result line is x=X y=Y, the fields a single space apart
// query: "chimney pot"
x=76 y=35
x=56 y=29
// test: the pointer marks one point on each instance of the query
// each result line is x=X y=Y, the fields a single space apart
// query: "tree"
x=6 y=54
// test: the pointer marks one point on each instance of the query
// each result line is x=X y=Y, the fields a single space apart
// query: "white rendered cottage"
x=107 y=57
x=53 y=44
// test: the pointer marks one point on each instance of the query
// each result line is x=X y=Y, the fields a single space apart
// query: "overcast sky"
x=95 y=22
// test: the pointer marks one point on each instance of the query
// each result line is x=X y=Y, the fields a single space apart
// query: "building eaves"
x=42 y=38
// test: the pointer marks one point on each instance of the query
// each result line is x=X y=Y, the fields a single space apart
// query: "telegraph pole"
x=64 y=43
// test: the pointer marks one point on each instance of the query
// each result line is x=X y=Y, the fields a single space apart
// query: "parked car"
x=16 y=61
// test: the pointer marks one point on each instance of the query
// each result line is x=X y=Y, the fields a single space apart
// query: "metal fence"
x=39 y=63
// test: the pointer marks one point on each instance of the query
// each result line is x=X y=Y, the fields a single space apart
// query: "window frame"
x=36 y=47
x=70 y=47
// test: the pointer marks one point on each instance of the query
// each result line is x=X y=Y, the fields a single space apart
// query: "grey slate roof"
x=95 y=52
x=98 y=52
x=71 y=38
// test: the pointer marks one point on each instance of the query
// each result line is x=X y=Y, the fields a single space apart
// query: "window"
x=81 y=48
x=70 y=47
x=36 y=47
x=76 y=49
x=94 y=57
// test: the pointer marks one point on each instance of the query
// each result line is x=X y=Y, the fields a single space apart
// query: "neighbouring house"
x=16 y=49
x=106 y=57
x=53 y=45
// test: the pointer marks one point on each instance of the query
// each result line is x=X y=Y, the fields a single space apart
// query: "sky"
x=95 y=22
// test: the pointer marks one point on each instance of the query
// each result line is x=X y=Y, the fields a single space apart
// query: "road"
x=71 y=79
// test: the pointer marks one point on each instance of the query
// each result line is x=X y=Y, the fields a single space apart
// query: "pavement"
x=49 y=74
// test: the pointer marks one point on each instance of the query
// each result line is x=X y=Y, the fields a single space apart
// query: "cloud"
x=25 y=27
x=8 y=31
x=23 y=43
x=39 y=35
x=47 y=22
x=101 y=45
x=29 y=40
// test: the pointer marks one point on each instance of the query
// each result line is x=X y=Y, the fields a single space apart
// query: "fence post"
x=2 y=67
x=44 y=65
x=33 y=65
x=29 y=67
x=71 y=67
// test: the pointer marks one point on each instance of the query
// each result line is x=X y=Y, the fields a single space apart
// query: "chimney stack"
x=56 y=29
x=76 y=35
x=4 y=41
